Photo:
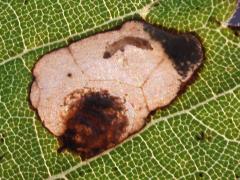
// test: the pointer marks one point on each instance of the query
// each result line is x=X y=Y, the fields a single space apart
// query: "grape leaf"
x=196 y=137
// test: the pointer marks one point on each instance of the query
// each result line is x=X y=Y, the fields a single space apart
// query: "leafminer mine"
x=95 y=93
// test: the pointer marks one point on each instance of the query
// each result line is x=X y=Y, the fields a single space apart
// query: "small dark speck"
x=106 y=55
x=1 y=157
x=26 y=2
x=213 y=20
x=200 y=174
x=237 y=33
x=122 y=49
x=61 y=149
x=81 y=173
x=235 y=30
x=70 y=40
x=115 y=169
x=11 y=53
x=69 y=74
x=156 y=4
x=2 y=138
x=200 y=136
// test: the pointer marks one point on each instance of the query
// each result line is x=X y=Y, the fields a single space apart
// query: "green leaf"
x=197 y=136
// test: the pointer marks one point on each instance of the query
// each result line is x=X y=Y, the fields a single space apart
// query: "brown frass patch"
x=121 y=43
x=184 y=49
x=97 y=123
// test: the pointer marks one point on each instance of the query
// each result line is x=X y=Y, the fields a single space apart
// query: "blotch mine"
x=97 y=92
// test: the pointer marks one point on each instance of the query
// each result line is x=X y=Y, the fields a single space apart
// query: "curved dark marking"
x=121 y=43
x=185 y=50
x=96 y=124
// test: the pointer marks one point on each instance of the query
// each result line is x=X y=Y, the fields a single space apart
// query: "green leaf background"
x=169 y=146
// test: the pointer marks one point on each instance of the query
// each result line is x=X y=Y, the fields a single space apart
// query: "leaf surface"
x=196 y=137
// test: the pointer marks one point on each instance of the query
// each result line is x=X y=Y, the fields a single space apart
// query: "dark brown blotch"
x=128 y=40
x=184 y=49
x=97 y=123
